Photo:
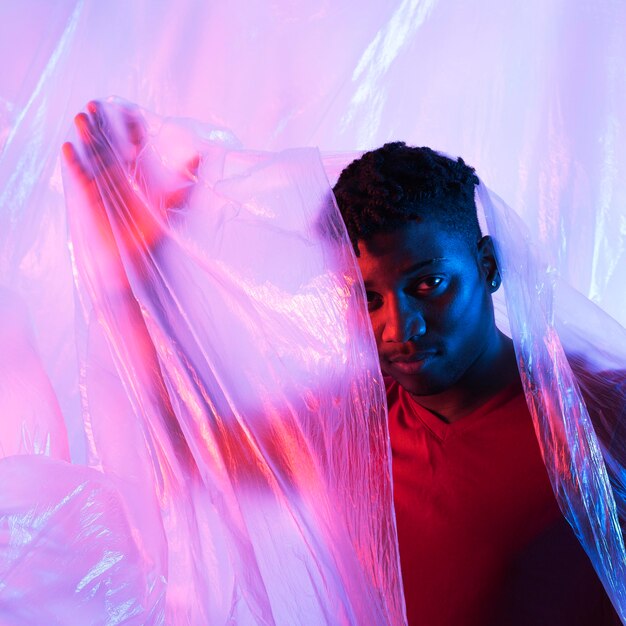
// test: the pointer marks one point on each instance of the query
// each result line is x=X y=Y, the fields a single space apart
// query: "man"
x=481 y=537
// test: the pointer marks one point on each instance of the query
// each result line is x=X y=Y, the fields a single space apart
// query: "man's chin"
x=422 y=386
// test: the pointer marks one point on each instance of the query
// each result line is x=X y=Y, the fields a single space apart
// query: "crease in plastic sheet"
x=572 y=361
x=229 y=373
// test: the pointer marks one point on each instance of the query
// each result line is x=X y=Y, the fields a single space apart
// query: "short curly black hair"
x=396 y=183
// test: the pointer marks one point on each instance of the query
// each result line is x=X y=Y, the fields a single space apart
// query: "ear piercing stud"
x=494 y=283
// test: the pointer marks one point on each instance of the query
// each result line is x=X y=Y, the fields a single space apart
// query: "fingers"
x=98 y=115
x=101 y=139
x=88 y=141
x=83 y=126
x=82 y=175
x=118 y=126
x=74 y=163
x=135 y=128
x=86 y=183
x=95 y=166
x=98 y=154
x=120 y=215
x=108 y=156
x=92 y=132
x=123 y=128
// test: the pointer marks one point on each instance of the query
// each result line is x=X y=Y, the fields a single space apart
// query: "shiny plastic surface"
x=225 y=289
x=541 y=117
x=67 y=552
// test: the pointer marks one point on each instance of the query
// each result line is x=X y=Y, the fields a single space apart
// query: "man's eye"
x=373 y=299
x=428 y=284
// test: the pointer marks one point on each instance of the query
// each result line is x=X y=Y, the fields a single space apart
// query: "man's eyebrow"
x=413 y=268
x=422 y=264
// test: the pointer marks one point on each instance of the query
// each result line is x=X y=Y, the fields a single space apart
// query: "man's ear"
x=488 y=263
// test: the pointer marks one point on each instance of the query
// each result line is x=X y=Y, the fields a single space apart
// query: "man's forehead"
x=425 y=238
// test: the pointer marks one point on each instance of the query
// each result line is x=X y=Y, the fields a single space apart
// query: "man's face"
x=429 y=303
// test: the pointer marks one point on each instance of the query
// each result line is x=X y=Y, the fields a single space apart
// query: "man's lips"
x=412 y=357
x=410 y=363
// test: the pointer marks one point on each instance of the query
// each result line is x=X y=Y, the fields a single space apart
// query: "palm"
x=126 y=184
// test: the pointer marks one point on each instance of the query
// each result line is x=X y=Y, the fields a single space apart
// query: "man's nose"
x=403 y=321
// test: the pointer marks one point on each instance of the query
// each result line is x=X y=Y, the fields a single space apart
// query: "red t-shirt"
x=482 y=541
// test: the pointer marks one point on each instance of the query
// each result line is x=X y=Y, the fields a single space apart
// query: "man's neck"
x=494 y=371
